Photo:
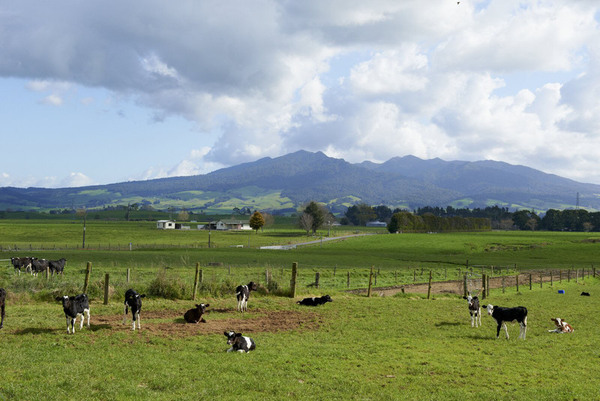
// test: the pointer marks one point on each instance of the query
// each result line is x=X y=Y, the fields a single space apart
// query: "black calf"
x=315 y=301
x=238 y=342
x=133 y=300
x=503 y=315
x=2 y=304
x=195 y=315
x=73 y=307
x=57 y=266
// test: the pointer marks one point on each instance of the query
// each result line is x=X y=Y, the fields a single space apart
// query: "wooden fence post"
x=517 y=281
x=483 y=283
x=317 y=277
x=530 y=281
x=293 y=280
x=106 y=287
x=503 y=287
x=88 y=271
x=370 y=283
x=541 y=280
x=128 y=275
x=348 y=283
x=429 y=286
x=196 y=278
x=465 y=285
x=47 y=272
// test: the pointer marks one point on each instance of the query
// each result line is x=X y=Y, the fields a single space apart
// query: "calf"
x=2 y=304
x=315 y=301
x=39 y=266
x=503 y=315
x=133 y=300
x=242 y=293
x=73 y=307
x=561 y=326
x=19 y=263
x=195 y=315
x=238 y=342
x=474 y=310
x=57 y=266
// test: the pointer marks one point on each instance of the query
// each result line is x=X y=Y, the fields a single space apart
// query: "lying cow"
x=315 y=301
x=238 y=342
x=73 y=307
x=195 y=315
x=561 y=326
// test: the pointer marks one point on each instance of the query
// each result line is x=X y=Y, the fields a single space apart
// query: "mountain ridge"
x=286 y=182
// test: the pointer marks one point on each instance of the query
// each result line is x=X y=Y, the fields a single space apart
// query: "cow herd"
x=35 y=265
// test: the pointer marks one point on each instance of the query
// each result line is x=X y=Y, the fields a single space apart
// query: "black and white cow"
x=239 y=342
x=242 y=293
x=133 y=300
x=474 y=310
x=2 y=305
x=57 y=266
x=39 y=265
x=503 y=315
x=315 y=301
x=73 y=307
x=21 y=263
x=195 y=315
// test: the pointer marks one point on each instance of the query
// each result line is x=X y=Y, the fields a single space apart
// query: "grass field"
x=357 y=348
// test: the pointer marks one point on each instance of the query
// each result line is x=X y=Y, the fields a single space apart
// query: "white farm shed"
x=165 y=224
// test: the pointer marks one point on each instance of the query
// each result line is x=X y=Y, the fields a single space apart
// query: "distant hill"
x=285 y=183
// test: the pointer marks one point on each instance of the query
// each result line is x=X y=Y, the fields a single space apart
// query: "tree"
x=305 y=222
x=257 y=221
x=317 y=214
x=360 y=214
x=183 y=215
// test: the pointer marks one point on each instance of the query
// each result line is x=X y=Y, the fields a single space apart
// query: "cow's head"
x=202 y=307
x=252 y=286
x=232 y=336
x=327 y=298
x=490 y=309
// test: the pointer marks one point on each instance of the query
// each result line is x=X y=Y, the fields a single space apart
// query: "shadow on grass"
x=444 y=324
x=36 y=330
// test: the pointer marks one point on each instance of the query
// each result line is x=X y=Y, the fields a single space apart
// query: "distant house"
x=165 y=224
x=376 y=224
x=229 y=225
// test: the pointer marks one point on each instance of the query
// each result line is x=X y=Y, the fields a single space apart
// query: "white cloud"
x=53 y=100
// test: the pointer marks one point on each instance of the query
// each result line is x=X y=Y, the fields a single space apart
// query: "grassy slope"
x=378 y=348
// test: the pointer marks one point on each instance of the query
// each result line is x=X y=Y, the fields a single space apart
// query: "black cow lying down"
x=315 y=301
x=195 y=315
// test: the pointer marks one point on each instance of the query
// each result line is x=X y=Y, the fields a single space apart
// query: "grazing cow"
x=39 y=266
x=503 y=315
x=242 y=293
x=73 y=307
x=57 y=266
x=133 y=300
x=2 y=304
x=474 y=309
x=20 y=263
x=315 y=301
x=195 y=315
x=238 y=342
x=561 y=326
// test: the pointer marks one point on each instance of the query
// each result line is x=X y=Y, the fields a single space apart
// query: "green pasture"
x=355 y=348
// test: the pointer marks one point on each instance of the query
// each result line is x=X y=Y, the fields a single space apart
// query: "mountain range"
x=285 y=183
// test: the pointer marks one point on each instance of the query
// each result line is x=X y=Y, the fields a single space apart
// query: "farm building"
x=229 y=225
x=165 y=224
x=376 y=224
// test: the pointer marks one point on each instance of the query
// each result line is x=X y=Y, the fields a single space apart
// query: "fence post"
x=47 y=272
x=88 y=271
x=551 y=279
x=487 y=286
x=348 y=283
x=530 y=281
x=293 y=280
x=503 y=284
x=128 y=275
x=196 y=278
x=106 y=281
x=429 y=286
x=317 y=277
x=465 y=286
x=541 y=280
x=517 y=281
x=370 y=283
x=569 y=275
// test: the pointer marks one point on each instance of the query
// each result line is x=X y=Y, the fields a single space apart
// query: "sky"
x=98 y=92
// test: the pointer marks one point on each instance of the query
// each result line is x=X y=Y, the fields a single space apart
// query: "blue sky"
x=103 y=92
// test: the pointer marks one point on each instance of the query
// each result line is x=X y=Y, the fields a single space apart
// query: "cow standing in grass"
x=242 y=293
x=73 y=307
x=503 y=315
x=133 y=300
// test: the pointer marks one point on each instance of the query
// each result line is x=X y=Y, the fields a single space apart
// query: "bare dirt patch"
x=170 y=324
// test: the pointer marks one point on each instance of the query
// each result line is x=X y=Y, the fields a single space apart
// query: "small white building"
x=376 y=224
x=231 y=225
x=165 y=224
